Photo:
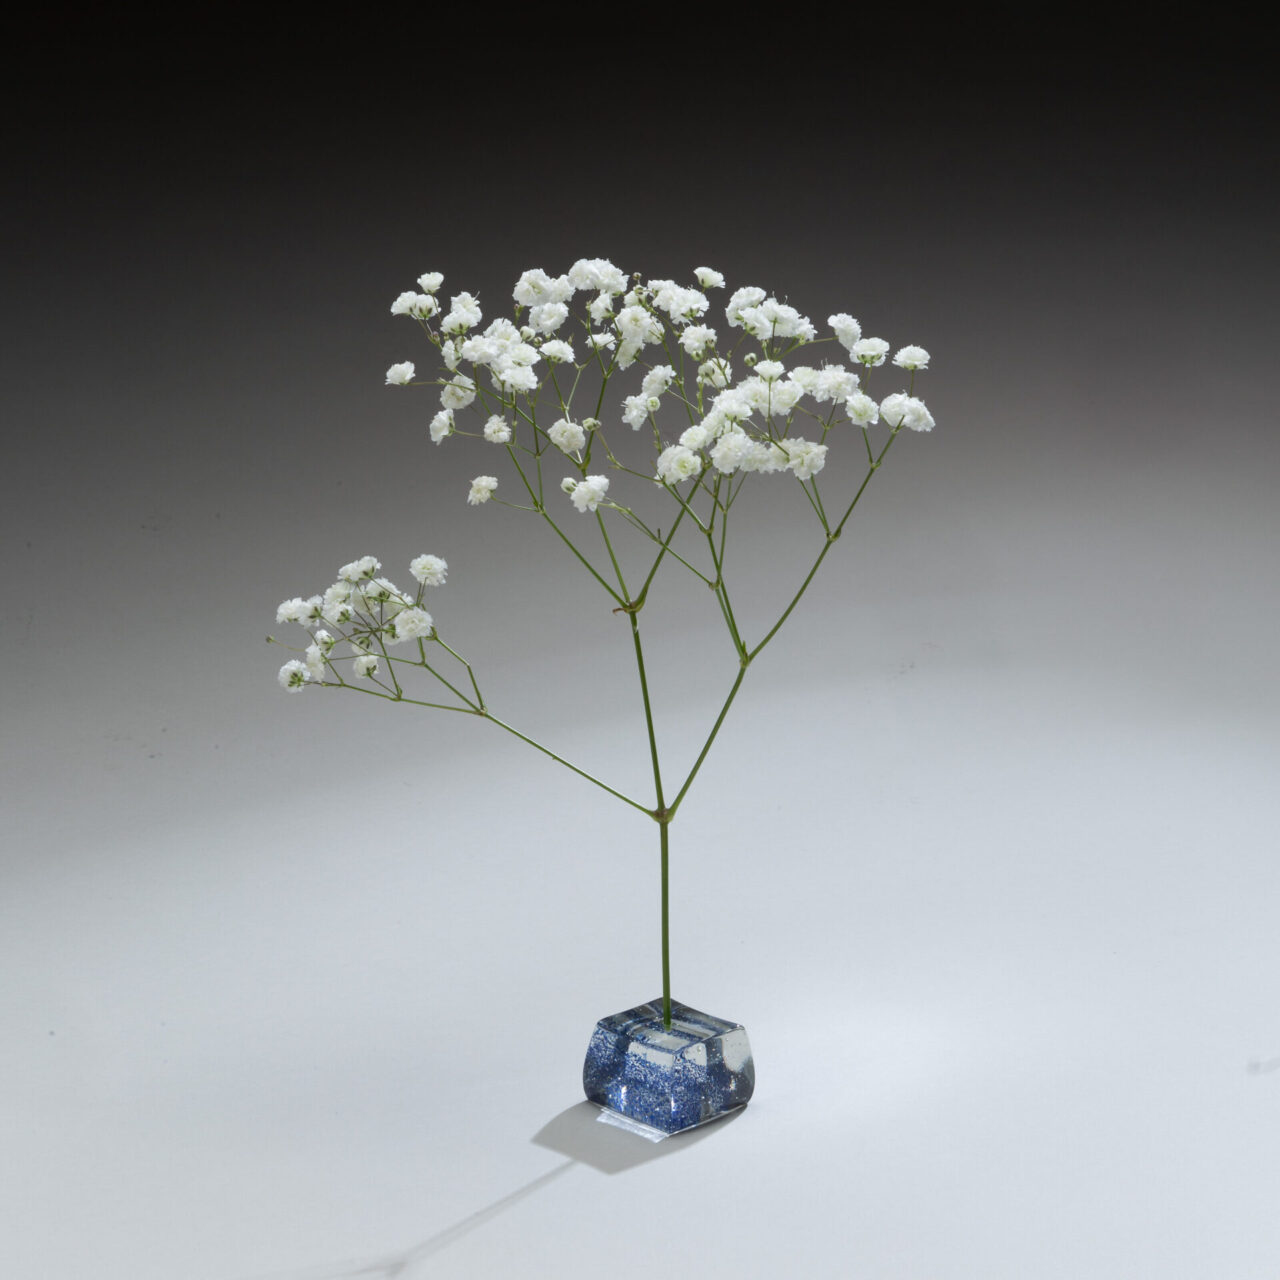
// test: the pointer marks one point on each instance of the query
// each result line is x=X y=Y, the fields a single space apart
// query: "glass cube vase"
x=669 y=1078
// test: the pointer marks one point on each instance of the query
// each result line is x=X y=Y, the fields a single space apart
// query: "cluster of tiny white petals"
x=597 y=275
x=804 y=457
x=429 y=570
x=696 y=339
x=870 y=351
x=421 y=306
x=912 y=357
x=535 y=288
x=293 y=675
x=834 y=384
x=400 y=375
x=497 y=430
x=901 y=410
x=557 y=351
x=365 y=665
x=568 y=437
x=601 y=341
x=464 y=314
x=409 y=624
x=716 y=373
x=482 y=489
x=635 y=411
x=846 y=329
x=588 y=493
x=657 y=380
x=862 y=409
x=365 y=567
x=441 y=425
x=458 y=393
x=678 y=463
x=430 y=281
x=708 y=278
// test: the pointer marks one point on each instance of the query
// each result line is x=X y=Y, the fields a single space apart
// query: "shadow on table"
x=577 y=1133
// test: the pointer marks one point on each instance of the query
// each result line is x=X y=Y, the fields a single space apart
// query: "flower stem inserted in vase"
x=662 y=1064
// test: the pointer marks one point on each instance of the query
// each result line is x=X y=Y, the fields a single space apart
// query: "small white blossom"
x=400 y=375
x=715 y=373
x=315 y=660
x=464 y=314
x=429 y=570
x=419 y=305
x=548 y=317
x=567 y=436
x=459 y=393
x=482 y=488
x=441 y=425
x=294 y=610
x=601 y=341
x=870 y=351
x=804 y=457
x=709 y=279
x=730 y=450
x=747 y=296
x=635 y=411
x=901 y=410
x=835 y=383
x=365 y=665
x=862 y=409
x=696 y=436
x=657 y=380
x=497 y=430
x=912 y=358
x=678 y=463
x=535 y=288
x=568 y=484
x=600 y=308
x=770 y=370
x=365 y=567
x=589 y=493
x=293 y=675
x=408 y=624
x=557 y=351
x=846 y=329
x=430 y=281
x=696 y=339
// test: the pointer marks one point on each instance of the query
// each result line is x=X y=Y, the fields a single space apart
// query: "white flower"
x=464 y=314
x=419 y=305
x=805 y=378
x=568 y=484
x=429 y=570
x=383 y=592
x=442 y=425
x=635 y=411
x=589 y=493
x=870 y=351
x=716 y=373
x=600 y=308
x=365 y=567
x=567 y=436
x=557 y=351
x=408 y=624
x=451 y=353
x=862 y=409
x=770 y=370
x=548 y=317
x=535 y=288
x=497 y=430
x=601 y=341
x=804 y=457
x=696 y=436
x=763 y=457
x=696 y=339
x=846 y=328
x=678 y=463
x=709 y=279
x=400 y=375
x=730 y=450
x=901 y=410
x=912 y=358
x=430 y=281
x=293 y=675
x=294 y=610
x=834 y=383
x=657 y=380
x=597 y=273
x=365 y=665
x=315 y=660
x=747 y=296
x=679 y=303
x=482 y=488
x=459 y=393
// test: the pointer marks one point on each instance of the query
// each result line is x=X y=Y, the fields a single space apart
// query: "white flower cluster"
x=367 y=612
x=742 y=426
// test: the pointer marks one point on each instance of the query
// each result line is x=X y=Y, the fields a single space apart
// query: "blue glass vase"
x=669 y=1078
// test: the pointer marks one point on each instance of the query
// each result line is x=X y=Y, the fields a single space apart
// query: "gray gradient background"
x=985 y=860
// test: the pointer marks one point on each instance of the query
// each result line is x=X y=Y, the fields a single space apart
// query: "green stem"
x=663 y=826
